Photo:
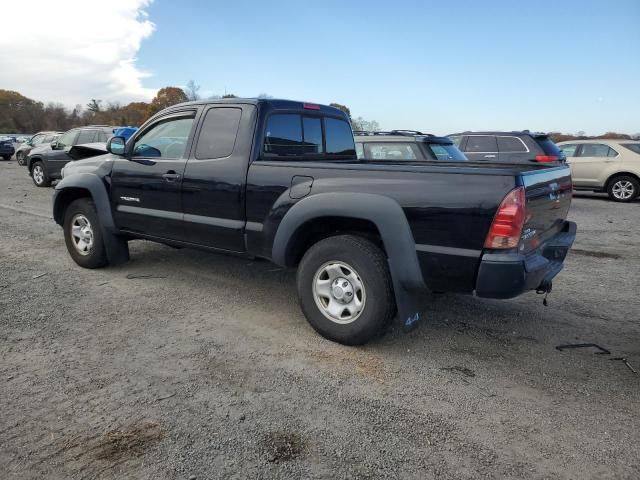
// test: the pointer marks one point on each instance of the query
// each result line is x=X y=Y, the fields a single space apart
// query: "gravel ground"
x=183 y=364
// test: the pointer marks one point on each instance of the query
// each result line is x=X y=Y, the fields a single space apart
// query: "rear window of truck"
x=291 y=135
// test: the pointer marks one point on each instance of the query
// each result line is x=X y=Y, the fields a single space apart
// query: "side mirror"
x=54 y=145
x=116 y=145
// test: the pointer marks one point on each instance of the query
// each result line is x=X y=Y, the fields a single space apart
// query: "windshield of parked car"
x=634 y=147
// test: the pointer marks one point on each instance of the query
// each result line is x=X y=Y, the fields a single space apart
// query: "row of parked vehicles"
x=370 y=221
x=611 y=166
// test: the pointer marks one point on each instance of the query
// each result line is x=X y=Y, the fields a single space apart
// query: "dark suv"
x=405 y=146
x=45 y=163
x=508 y=147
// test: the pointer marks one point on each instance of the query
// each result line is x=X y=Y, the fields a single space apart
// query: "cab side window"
x=218 y=134
x=165 y=139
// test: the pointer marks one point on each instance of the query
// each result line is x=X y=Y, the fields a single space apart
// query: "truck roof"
x=274 y=103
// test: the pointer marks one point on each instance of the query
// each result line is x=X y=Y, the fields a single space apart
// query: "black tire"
x=618 y=194
x=95 y=256
x=20 y=158
x=42 y=180
x=369 y=264
x=7 y=157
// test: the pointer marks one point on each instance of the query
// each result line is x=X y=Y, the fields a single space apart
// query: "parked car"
x=611 y=166
x=508 y=147
x=6 y=148
x=280 y=180
x=405 y=146
x=45 y=163
x=39 y=139
x=124 y=132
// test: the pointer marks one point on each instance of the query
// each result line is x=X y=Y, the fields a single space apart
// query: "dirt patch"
x=282 y=446
x=128 y=442
x=361 y=362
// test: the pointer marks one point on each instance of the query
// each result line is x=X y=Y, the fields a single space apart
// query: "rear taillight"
x=546 y=158
x=506 y=228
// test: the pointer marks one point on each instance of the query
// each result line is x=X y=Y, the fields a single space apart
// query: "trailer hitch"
x=545 y=289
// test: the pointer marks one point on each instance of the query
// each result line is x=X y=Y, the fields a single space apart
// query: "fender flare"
x=115 y=245
x=391 y=221
x=385 y=213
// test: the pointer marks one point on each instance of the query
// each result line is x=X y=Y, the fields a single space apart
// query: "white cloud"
x=70 y=51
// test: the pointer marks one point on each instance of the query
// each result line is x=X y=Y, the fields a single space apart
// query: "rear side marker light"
x=508 y=222
x=311 y=106
x=546 y=158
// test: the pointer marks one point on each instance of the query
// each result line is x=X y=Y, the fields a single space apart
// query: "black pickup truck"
x=280 y=180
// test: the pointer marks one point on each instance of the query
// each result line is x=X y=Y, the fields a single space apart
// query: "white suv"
x=611 y=166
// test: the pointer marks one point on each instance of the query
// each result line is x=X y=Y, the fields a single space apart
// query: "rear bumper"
x=507 y=275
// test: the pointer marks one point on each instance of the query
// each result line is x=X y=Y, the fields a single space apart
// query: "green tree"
x=344 y=108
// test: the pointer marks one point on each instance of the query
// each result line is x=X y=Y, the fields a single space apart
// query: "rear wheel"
x=7 y=157
x=82 y=234
x=623 y=188
x=345 y=289
x=39 y=175
x=20 y=158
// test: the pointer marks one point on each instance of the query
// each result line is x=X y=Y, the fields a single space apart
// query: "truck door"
x=213 y=188
x=146 y=186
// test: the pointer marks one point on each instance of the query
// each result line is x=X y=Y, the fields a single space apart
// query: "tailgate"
x=548 y=193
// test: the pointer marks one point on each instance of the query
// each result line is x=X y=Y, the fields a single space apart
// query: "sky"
x=434 y=66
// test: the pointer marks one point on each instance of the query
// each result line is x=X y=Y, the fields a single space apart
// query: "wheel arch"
x=390 y=223
x=87 y=185
x=620 y=174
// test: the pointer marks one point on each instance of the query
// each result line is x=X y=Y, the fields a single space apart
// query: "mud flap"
x=117 y=248
x=408 y=312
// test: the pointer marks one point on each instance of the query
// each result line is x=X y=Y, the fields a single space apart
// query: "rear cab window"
x=311 y=136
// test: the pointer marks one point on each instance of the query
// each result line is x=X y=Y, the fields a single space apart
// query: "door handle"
x=171 y=176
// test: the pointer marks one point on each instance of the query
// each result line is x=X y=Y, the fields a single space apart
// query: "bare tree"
x=191 y=90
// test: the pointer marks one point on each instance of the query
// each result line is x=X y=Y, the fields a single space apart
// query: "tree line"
x=20 y=114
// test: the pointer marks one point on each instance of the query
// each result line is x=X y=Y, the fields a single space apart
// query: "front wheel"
x=7 y=157
x=623 y=188
x=39 y=175
x=345 y=289
x=20 y=158
x=82 y=234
